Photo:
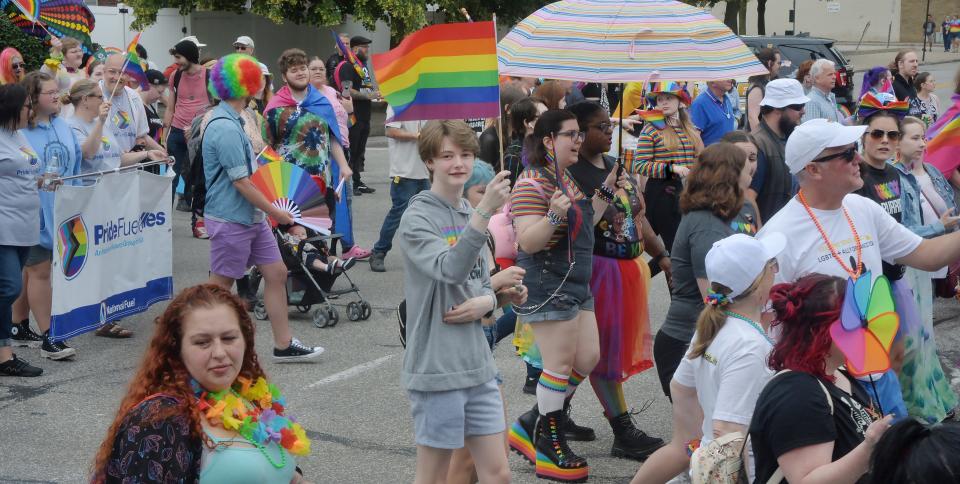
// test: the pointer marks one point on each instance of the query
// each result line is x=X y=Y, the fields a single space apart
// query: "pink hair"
x=6 y=65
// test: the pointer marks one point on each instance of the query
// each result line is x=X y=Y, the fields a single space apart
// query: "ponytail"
x=713 y=316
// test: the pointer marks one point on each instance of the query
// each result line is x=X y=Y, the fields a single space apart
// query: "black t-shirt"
x=883 y=187
x=154 y=121
x=792 y=412
x=616 y=235
x=361 y=107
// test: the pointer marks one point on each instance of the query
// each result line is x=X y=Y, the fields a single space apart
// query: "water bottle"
x=52 y=171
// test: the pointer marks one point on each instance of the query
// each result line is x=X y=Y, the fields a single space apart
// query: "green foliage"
x=32 y=49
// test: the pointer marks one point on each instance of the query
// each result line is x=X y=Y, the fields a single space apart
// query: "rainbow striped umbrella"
x=623 y=41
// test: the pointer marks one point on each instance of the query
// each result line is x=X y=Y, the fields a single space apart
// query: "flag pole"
x=123 y=68
x=499 y=103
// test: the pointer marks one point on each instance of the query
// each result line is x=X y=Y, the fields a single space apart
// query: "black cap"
x=359 y=40
x=156 y=78
x=188 y=50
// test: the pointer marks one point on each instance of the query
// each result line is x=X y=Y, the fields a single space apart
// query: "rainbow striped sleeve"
x=526 y=200
x=644 y=161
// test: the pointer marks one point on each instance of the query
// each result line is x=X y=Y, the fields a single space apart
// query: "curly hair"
x=804 y=311
x=714 y=182
x=162 y=369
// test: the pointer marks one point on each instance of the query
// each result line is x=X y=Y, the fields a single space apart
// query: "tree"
x=761 y=17
x=29 y=46
x=731 y=13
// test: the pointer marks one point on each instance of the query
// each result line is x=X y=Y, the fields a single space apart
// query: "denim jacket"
x=227 y=157
x=910 y=195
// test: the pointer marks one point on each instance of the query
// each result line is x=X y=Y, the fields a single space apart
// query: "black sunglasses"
x=878 y=134
x=18 y=66
x=795 y=107
x=848 y=155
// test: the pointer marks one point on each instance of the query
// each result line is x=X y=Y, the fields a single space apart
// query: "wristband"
x=482 y=213
x=605 y=194
x=490 y=313
x=554 y=219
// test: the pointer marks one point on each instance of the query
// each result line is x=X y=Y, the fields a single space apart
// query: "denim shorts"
x=545 y=274
x=443 y=419
x=38 y=254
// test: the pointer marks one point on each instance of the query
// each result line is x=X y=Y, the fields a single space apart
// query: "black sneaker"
x=183 y=205
x=530 y=386
x=18 y=367
x=357 y=192
x=364 y=188
x=56 y=350
x=297 y=351
x=377 y=262
x=23 y=335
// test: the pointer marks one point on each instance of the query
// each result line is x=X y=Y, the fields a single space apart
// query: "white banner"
x=112 y=254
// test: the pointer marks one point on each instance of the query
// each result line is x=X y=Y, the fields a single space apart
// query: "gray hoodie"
x=445 y=266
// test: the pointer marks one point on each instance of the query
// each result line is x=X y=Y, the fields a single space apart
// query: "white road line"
x=352 y=372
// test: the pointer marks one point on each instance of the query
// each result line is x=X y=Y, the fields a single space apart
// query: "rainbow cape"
x=446 y=71
x=943 y=146
x=132 y=67
x=314 y=102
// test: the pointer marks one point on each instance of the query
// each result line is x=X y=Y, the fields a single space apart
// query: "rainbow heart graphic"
x=105 y=142
x=72 y=246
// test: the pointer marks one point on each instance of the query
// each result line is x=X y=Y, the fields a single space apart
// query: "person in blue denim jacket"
x=929 y=210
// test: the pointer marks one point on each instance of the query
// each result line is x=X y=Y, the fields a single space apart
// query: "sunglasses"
x=795 y=107
x=878 y=134
x=848 y=155
x=573 y=134
x=18 y=66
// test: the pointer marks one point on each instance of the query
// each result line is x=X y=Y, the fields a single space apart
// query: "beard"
x=362 y=56
x=786 y=126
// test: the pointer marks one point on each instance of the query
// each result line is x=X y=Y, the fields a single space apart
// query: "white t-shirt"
x=881 y=238
x=127 y=120
x=404 y=156
x=729 y=376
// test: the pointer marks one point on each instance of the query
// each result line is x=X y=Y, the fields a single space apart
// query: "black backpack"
x=176 y=84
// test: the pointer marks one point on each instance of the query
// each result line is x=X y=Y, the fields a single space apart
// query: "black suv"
x=796 y=49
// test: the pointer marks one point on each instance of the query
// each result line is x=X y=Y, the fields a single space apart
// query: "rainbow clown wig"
x=235 y=76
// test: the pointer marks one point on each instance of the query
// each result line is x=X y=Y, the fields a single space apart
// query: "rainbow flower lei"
x=260 y=421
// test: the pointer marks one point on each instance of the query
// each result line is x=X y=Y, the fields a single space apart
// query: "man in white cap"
x=243 y=45
x=780 y=111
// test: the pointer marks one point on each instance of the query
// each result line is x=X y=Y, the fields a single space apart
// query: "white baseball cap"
x=739 y=259
x=243 y=40
x=780 y=93
x=810 y=139
x=194 y=39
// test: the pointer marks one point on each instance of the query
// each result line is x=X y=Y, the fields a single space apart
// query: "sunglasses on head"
x=878 y=134
x=848 y=155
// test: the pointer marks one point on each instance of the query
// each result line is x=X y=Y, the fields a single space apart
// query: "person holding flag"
x=361 y=89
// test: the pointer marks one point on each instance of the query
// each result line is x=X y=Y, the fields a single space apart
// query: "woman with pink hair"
x=12 y=67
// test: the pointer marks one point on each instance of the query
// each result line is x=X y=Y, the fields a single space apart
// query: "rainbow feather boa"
x=261 y=424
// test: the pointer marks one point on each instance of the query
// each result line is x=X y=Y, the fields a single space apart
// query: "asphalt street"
x=350 y=402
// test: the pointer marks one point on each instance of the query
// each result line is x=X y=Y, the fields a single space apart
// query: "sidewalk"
x=877 y=53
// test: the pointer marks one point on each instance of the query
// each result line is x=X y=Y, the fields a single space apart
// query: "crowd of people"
x=761 y=219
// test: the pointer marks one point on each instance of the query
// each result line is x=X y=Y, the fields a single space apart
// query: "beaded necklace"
x=755 y=325
x=854 y=273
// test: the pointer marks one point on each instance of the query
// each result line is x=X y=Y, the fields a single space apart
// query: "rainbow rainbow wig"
x=235 y=76
x=6 y=66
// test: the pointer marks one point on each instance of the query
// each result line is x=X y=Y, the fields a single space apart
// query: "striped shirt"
x=527 y=200
x=653 y=159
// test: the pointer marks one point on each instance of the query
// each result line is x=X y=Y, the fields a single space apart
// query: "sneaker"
x=23 y=335
x=376 y=262
x=340 y=266
x=356 y=252
x=357 y=192
x=183 y=205
x=200 y=230
x=56 y=350
x=530 y=386
x=18 y=367
x=364 y=188
x=297 y=351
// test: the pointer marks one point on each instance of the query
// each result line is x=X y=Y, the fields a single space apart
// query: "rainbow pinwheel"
x=70 y=18
x=288 y=187
x=867 y=325
x=871 y=104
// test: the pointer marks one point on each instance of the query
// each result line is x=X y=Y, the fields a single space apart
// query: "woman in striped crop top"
x=666 y=149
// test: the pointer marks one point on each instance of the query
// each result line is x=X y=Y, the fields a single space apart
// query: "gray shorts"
x=38 y=254
x=443 y=419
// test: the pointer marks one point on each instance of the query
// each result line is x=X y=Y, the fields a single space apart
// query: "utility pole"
x=925 y=17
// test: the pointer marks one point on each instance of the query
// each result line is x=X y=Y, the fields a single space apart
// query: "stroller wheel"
x=365 y=310
x=334 y=315
x=320 y=319
x=260 y=311
x=303 y=308
x=354 y=311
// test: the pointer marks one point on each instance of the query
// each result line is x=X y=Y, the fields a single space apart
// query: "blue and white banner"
x=112 y=254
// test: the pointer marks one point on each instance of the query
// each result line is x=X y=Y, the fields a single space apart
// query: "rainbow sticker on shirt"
x=121 y=119
x=30 y=155
x=889 y=190
x=451 y=234
x=105 y=142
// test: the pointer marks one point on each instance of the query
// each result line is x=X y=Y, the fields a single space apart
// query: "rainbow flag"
x=954 y=26
x=132 y=66
x=30 y=8
x=268 y=155
x=943 y=146
x=446 y=71
x=350 y=56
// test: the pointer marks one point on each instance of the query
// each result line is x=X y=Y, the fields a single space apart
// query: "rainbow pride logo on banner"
x=72 y=245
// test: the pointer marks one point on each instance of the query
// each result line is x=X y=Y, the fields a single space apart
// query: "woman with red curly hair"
x=811 y=422
x=199 y=407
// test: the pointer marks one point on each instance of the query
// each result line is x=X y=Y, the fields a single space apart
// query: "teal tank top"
x=229 y=464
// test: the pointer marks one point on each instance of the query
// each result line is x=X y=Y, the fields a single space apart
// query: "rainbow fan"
x=288 y=187
x=654 y=117
x=71 y=18
x=867 y=325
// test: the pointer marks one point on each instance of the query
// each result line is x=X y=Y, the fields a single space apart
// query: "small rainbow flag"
x=30 y=9
x=654 y=117
x=943 y=147
x=132 y=66
x=268 y=155
x=446 y=71
x=955 y=27
x=349 y=55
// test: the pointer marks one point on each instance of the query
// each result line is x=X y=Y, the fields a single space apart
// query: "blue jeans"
x=401 y=191
x=947 y=39
x=177 y=147
x=12 y=259
x=502 y=328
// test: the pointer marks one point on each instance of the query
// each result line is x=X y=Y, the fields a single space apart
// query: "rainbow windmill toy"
x=867 y=325
x=60 y=18
x=288 y=187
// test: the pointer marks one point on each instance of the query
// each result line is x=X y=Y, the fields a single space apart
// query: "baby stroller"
x=308 y=287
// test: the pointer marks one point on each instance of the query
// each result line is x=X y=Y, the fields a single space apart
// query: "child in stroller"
x=317 y=258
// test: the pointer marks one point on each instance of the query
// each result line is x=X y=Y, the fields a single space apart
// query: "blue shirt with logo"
x=227 y=157
x=47 y=139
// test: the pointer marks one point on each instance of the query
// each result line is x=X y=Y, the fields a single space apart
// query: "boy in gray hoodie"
x=448 y=369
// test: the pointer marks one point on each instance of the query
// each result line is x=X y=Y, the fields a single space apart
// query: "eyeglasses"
x=573 y=134
x=602 y=126
x=49 y=93
x=878 y=134
x=795 y=107
x=98 y=96
x=848 y=155
x=18 y=66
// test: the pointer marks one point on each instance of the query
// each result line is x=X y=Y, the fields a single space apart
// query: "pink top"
x=343 y=119
x=191 y=98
